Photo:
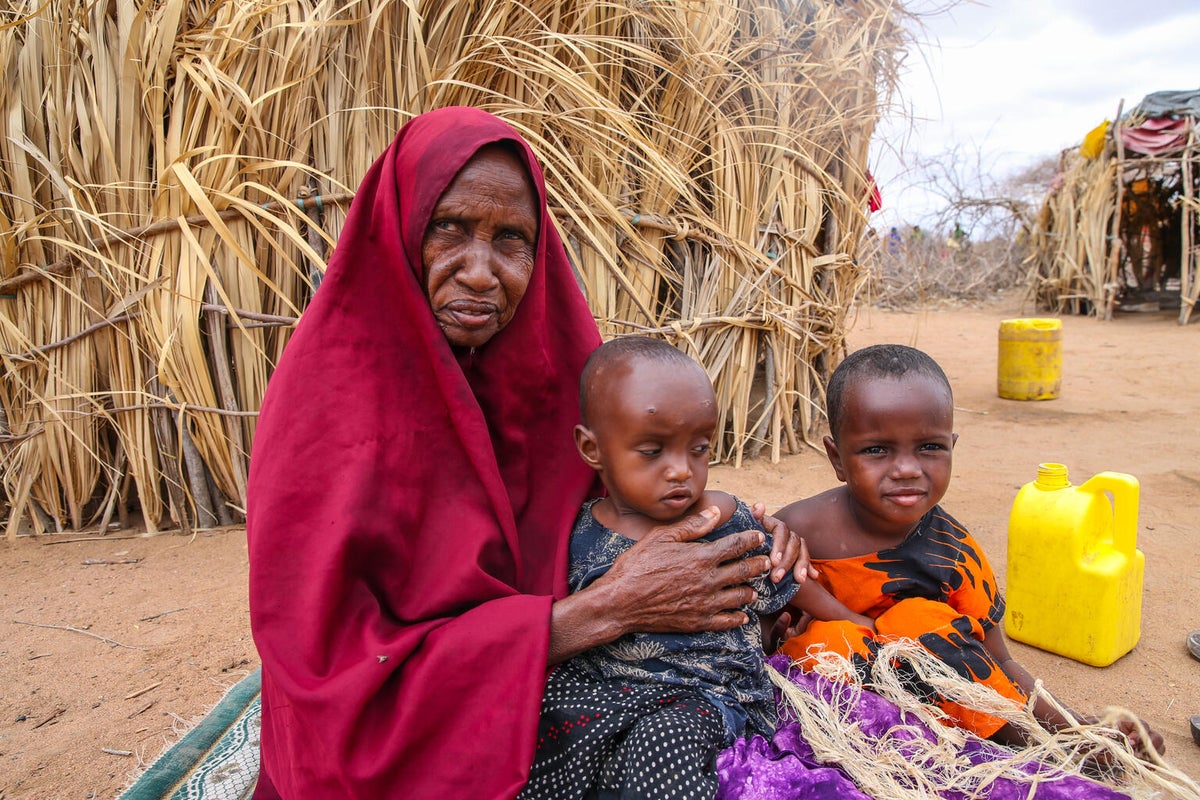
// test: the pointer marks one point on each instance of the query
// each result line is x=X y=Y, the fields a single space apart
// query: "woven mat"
x=217 y=759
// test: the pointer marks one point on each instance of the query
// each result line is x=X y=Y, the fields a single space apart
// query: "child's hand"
x=1133 y=732
x=788 y=550
x=785 y=627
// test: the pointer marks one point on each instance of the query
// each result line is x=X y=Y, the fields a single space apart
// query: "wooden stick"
x=140 y=692
x=78 y=630
x=164 y=613
x=55 y=714
x=141 y=710
x=1118 y=244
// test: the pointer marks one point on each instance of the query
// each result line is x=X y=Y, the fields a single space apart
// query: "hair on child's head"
x=624 y=350
x=892 y=361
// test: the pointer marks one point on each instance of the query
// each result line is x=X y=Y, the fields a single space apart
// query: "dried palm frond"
x=173 y=177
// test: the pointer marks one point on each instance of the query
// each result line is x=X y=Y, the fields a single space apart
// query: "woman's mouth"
x=470 y=314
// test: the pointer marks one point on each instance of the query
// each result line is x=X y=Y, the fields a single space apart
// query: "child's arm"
x=1047 y=714
x=819 y=603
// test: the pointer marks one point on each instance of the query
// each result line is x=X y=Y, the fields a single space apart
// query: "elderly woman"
x=414 y=482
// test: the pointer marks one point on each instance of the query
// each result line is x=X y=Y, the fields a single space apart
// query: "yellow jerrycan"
x=1074 y=571
x=1029 y=359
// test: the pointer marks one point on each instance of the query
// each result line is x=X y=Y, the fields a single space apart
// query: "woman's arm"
x=666 y=582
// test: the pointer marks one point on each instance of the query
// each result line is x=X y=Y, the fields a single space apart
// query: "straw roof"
x=173 y=176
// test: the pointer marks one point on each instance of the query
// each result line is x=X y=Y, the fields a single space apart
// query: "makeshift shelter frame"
x=1080 y=255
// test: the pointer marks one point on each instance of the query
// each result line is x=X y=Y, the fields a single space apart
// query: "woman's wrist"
x=581 y=621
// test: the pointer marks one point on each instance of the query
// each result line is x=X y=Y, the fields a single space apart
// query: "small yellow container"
x=1074 y=571
x=1029 y=364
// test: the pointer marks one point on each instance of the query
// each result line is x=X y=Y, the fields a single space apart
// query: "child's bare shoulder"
x=820 y=519
x=722 y=500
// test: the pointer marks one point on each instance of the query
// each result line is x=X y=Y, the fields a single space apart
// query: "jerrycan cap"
x=1052 y=476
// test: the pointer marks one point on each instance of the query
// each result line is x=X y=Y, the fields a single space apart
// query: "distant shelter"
x=1118 y=228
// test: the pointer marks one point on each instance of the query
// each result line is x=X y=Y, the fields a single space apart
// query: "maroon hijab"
x=409 y=506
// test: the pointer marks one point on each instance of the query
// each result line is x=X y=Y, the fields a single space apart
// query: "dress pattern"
x=937 y=588
x=646 y=715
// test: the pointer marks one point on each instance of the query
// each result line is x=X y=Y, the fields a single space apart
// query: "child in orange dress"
x=891 y=562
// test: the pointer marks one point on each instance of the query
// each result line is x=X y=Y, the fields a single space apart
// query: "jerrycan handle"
x=1124 y=489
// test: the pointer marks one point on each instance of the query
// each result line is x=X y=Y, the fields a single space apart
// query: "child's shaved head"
x=892 y=361
x=618 y=352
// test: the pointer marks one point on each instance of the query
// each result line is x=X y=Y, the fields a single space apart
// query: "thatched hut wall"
x=174 y=175
x=1119 y=228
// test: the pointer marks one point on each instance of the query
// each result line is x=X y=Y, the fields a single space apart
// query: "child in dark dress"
x=644 y=716
x=892 y=564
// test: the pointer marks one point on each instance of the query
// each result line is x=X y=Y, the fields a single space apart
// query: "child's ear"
x=835 y=458
x=953 y=440
x=585 y=443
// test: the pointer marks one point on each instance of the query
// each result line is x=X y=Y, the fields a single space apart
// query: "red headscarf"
x=409 y=506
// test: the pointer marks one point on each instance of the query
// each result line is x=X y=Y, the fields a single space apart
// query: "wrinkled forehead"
x=435 y=146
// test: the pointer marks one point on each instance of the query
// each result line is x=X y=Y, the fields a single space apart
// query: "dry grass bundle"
x=174 y=174
x=904 y=763
x=1071 y=266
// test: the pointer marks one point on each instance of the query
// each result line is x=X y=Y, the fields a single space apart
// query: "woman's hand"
x=666 y=583
x=789 y=551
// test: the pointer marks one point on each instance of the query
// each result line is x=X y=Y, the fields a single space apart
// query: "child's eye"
x=933 y=446
x=701 y=449
x=873 y=450
x=649 y=452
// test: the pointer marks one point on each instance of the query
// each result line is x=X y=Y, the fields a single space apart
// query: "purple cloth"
x=786 y=767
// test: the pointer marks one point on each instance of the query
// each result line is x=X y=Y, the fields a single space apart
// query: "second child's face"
x=652 y=439
x=894 y=450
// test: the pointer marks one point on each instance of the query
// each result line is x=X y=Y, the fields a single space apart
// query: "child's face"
x=650 y=437
x=894 y=450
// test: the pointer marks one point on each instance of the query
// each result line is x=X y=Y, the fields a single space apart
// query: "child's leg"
x=957 y=640
x=668 y=755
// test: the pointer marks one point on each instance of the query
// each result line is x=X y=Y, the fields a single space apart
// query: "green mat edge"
x=172 y=767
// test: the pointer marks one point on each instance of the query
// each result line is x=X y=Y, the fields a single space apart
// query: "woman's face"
x=478 y=251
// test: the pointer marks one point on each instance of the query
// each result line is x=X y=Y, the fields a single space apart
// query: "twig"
x=100 y=538
x=55 y=714
x=141 y=710
x=91 y=562
x=78 y=630
x=39 y=655
x=139 y=692
x=164 y=613
x=112 y=752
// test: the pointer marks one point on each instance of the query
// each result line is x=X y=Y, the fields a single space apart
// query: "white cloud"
x=1022 y=79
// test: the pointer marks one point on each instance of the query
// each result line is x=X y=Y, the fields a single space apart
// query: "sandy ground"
x=123 y=655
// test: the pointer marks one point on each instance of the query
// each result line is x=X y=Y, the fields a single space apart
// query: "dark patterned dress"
x=644 y=716
x=935 y=587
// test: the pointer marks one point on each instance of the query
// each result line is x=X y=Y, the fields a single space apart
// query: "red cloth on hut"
x=409 y=506
x=1157 y=136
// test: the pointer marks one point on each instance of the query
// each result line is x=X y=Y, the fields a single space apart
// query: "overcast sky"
x=1017 y=80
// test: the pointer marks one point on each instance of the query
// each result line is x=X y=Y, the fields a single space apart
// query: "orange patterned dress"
x=935 y=587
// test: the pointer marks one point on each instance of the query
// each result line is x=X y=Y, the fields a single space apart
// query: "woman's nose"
x=476 y=266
